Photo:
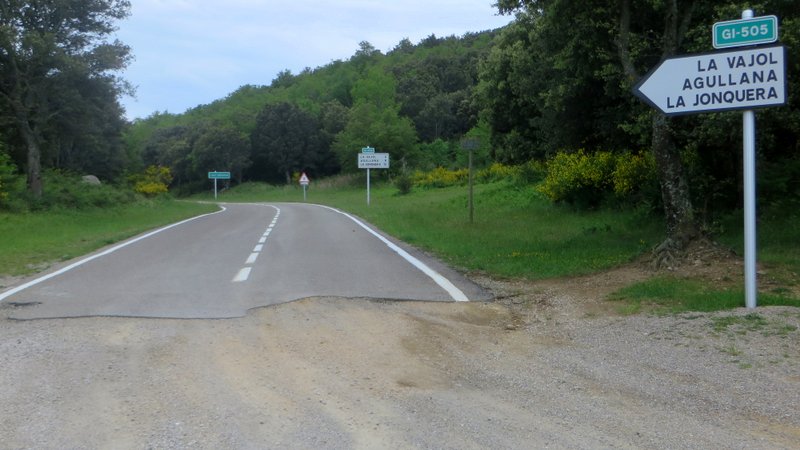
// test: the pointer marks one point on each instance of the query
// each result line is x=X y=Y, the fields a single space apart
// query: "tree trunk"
x=32 y=142
x=678 y=211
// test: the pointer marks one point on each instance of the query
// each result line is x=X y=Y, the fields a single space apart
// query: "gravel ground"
x=544 y=366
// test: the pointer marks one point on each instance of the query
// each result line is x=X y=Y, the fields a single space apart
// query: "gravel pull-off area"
x=542 y=367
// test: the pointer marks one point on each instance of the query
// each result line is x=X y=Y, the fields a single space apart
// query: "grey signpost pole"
x=471 y=203
x=470 y=144
x=368 y=159
x=216 y=176
x=749 y=154
x=304 y=181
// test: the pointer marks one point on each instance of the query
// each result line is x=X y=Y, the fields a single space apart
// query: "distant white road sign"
x=373 y=160
x=304 y=179
x=740 y=79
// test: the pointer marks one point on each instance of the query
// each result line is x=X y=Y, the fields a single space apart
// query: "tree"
x=375 y=120
x=41 y=42
x=434 y=91
x=285 y=139
x=86 y=136
x=575 y=33
x=219 y=148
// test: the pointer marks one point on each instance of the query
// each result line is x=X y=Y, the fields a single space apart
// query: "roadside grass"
x=778 y=257
x=30 y=242
x=778 y=239
x=516 y=232
x=666 y=294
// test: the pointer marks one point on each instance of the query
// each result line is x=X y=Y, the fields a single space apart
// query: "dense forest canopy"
x=556 y=81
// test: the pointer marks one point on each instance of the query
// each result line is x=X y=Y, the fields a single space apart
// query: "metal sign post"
x=732 y=80
x=304 y=181
x=368 y=159
x=218 y=176
x=749 y=155
x=470 y=144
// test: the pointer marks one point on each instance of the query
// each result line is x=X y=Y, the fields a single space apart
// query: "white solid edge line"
x=454 y=292
x=243 y=275
x=41 y=279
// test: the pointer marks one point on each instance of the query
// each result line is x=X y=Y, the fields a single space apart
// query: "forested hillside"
x=553 y=88
x=415 y=102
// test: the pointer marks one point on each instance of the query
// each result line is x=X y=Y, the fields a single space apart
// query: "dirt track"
x=539 y=368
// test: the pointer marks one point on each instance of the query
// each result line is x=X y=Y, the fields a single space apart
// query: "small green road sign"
x=367 y=149
x=219 y=175
x=738 y=33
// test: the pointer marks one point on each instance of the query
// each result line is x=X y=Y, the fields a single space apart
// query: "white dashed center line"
x=244 y=273
x=252 y=259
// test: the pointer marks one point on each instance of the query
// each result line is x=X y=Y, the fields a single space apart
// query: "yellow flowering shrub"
x=585 y=179
x=154 y=181
x=631 y=172
x=497 y=171
x=440 y=177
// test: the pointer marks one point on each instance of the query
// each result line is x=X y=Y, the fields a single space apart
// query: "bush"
x=497 y=172
x=585 y=180
x=70 y=191
x=403 y=183
x=7 y=171
x=440 y=177
x=153 y=182
x=66 y=191
x=531 y=172
x=632 y=172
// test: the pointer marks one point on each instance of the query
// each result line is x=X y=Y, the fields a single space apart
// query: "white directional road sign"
x=373 y=160
x=740 y=79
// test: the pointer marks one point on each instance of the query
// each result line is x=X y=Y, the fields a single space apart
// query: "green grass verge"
x=30 y=242
x=778 y=236
x=674 y=295
x=516 y=232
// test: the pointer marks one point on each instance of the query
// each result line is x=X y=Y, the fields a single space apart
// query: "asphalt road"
x=246 y=256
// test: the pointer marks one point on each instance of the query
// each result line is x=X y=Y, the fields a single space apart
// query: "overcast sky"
x=192 y=52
